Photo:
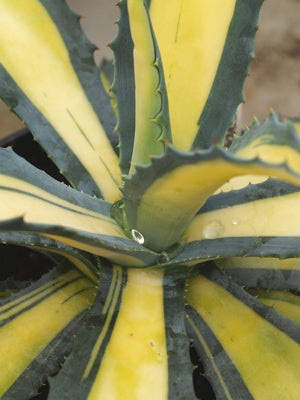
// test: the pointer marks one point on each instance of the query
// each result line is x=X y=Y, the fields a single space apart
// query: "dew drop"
x=137 y=236
x=235 y=221
x=212 y=230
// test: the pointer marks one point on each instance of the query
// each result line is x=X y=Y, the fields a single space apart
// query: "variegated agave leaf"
x=154 y=196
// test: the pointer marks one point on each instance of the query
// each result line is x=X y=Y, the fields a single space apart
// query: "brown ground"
x=275 y=76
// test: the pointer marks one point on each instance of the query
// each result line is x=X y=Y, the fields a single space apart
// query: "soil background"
x=274 y=79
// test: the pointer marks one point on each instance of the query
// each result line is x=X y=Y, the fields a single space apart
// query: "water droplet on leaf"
x=137 y=236
x=212 y=230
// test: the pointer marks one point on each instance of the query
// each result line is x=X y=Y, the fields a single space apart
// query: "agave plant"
x=162 y=229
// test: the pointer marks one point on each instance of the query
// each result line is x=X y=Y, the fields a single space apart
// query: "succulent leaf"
x=167 y=198
x=161 y=200
x=65 y=101
x=285 y=303
x=275 y=217
x=32 y=199
x=219 y=231
x=272 y=141
x=27 y=358
x=90 y=344
x=239 y=339
x=131 y=343
x=241 y=190
x=204 y=86
x=267 y=273
x=123 y=86
x=151 y=107
x=86 y=263
x=177 y=342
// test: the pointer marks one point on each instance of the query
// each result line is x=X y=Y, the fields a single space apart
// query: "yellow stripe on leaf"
x=278 y=216
x=136 y=356
x=271 y=153
x=289 y=264
x=27 y=335
x=118 y=258
x=241 y=182
x=15 y=304
x=34 y=54
x=19 y=198
x=273 y=141
x=36 y=206
x=172 y=200
x=285 y=303
x=266 y=358
x=191 y=45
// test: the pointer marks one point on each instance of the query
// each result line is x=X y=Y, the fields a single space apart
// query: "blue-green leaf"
x=249 y=351
x=36 y=329
x=67 y=107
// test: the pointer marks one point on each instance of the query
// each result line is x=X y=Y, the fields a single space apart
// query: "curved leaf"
x=272 y=141
x=86 y=263
x=122 y=340
x=162 y=199
x=59 y=106
x=266 y=273
x=285 y=303
x=30 y=199
x=268 y=218
x=36 y=329
x=82 y=365
x=233 y=195
x=248 y=350
x=140 y=343
x=151 y=107
x=203 y=250
x=266 y=227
